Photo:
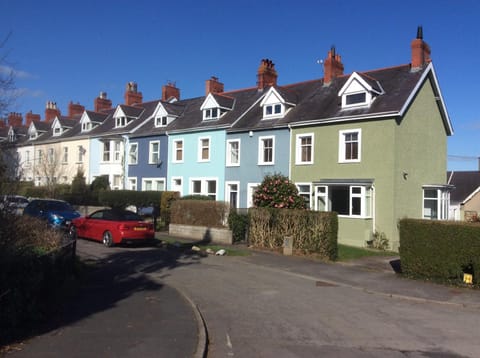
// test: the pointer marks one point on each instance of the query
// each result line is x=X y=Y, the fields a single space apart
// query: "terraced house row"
x=369 y=145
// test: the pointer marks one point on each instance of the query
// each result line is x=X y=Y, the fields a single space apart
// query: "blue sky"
x=72 y=50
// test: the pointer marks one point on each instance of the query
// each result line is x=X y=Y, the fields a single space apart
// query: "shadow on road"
x=111 y=276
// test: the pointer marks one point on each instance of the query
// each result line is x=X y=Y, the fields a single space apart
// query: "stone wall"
x=213 y=235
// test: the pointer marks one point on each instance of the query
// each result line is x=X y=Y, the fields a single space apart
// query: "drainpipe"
x=373 y=209
x=290 y=151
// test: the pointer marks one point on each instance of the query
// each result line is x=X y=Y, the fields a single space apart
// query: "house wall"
x=192 y=168
x=473 y=204
x=421 y=152
x=249 y=171
x=377 y=163
x=143 y=169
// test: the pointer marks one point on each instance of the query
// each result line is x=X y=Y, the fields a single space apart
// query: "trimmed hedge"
x=238 y=222
x=168 y=198
x=207 y=213
x=311 y=231
x=124 y=198
x=440 y=250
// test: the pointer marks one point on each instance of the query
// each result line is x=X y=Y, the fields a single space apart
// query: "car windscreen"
x=126 y=216
x=58 y=206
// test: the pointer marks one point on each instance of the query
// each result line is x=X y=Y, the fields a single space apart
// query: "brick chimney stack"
x=332 y=67
x=30 y=117
x=75 y=109
x=170 y=91
x=15 y=119
x=132 y=96
x=51 y=111
x=213 y=86
x=420 y=51
x=102 y=103
x=266 y=74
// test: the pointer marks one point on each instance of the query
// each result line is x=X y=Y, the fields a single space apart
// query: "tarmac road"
x=262 y=305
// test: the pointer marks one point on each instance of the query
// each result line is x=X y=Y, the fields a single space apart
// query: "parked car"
x=13 y=203
x=57 y=213
x=112 y=226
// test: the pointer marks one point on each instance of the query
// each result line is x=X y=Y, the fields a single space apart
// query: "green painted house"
x=372 y=146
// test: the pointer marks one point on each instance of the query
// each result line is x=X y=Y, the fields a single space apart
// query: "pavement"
x=124 y=312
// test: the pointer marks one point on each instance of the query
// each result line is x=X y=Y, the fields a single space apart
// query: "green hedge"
x=440 y=250
x=207 y=213
x=238 y=222
x=124 y=198
x=311 y=231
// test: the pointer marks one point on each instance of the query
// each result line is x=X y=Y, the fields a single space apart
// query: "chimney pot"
x=332 y=66
x=132 y=96
x=420 y=51
x=266 y=74
x=213 y=85
x=170 y=91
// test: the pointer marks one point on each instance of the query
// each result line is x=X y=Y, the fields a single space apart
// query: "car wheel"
x=107 y=239
x=72 y=233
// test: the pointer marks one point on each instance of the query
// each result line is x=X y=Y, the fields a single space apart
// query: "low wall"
x=213 y=235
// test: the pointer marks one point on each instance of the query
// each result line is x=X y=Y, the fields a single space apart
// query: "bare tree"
x=51 y=169
x=7 y=79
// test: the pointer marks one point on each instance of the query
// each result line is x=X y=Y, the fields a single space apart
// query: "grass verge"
x=347 y=253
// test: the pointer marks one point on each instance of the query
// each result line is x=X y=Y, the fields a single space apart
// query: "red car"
x=112 y=227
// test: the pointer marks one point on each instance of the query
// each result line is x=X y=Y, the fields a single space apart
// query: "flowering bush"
x=277 y=191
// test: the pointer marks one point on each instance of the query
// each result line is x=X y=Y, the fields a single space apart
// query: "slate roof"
x=96 y=117
x=465 y=182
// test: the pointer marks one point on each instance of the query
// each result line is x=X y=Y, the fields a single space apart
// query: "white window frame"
x=251 y=187
x=153 y=182
x=300 y=146
x=161 y=121
x=175 y=186
x=274 y=113
x=117 y=151
x=132 y=183
x=261 y=150
x=107 y=154
x=229 y=154
x=117 y=182
x=65 y=155
x=201 y=147
x=86 y=126
x=342 y=145
x=121 y=122
x=133 y=155
x=366 y=199
x=228 y=191
x=208 y=113
x=176 y=150
x=80 y=154
x=305 y=194
x=442 y=200
x=151 y=153
x=57 y=130
x=39 y=156
x=204 y=187
x=50 y=155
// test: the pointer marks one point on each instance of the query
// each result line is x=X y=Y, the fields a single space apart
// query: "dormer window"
x=359 y=90
x=57 y=131
x=215 y=106
x=120 y=122
x=356 y=98
x=161 y=121
x=11 y=136
x=275 y=104
x=211 y=113
x=33 y=135
x=86 y=126
x=273 y=110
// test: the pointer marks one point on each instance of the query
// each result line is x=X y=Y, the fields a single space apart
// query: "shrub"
x=277 y=191
x=312 y=231
x=168 y=198
x=238 y=223
x=196 y=197
x=379 y=241
x=125 y=198
x=439 y=250
x=199 y=213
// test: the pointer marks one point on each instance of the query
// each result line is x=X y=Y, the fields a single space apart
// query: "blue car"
x=57 y=213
